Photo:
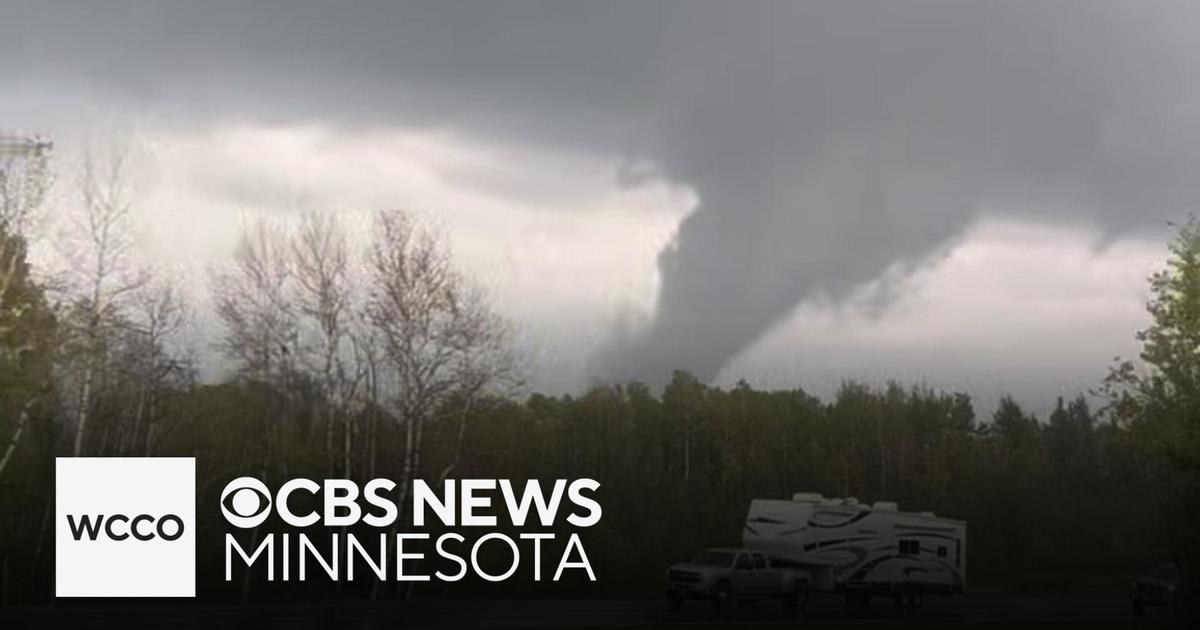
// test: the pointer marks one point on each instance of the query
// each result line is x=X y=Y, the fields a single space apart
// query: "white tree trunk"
x=22 y=421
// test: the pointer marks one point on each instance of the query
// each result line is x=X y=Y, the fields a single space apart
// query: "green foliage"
x=27 y=326
x=1162 y=398
x=1037 y=504
x=1159 y=399
x=27 y=430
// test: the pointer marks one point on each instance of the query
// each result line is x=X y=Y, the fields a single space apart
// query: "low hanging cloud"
x=1012 y=308
x=825 y=142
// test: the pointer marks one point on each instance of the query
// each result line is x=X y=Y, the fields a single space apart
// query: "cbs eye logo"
x=246 y=502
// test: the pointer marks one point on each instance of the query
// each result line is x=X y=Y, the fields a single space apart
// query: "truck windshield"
x=1164 y=571
x=713 y=559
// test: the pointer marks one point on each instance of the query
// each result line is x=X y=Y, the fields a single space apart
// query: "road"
x=822 y=612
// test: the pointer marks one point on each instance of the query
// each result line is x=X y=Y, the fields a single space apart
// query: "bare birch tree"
x=252 y=302
x=98 y=248
x=159 y=314
x=483 y=362
x=321 y=261
x=440 y=338
x=369 y=358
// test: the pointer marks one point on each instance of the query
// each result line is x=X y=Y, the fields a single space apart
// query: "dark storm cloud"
x=827 y=141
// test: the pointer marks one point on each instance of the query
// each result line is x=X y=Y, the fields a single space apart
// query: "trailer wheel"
x=908 y=598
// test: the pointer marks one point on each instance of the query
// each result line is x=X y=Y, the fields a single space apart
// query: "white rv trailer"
x=861 y=550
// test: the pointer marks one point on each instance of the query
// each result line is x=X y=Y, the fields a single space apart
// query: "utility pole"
x=14 y=146
x=16 y=151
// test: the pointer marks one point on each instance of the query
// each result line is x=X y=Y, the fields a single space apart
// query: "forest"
x=372 y=356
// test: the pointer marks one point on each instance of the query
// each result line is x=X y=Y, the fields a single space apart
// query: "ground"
x=971 y=611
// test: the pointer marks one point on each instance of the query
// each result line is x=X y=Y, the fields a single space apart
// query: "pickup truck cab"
x=723 y=575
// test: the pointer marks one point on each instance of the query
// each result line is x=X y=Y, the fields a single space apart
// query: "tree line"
x=371 y=355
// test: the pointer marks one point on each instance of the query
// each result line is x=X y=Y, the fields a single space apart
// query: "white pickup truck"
x=724 y=575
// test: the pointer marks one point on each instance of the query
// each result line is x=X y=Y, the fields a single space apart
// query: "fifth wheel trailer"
x=861 y=550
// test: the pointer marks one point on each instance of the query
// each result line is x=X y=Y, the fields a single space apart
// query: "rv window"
x=744 y=563
x=910 y=547
x=942 y=551
x=760 y=561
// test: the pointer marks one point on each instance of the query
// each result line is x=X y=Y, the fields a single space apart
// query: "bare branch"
x=252 y=303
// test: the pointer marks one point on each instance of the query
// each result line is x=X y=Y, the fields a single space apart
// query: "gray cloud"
x=826 y=141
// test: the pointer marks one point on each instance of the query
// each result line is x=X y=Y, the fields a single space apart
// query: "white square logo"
x=125 y=527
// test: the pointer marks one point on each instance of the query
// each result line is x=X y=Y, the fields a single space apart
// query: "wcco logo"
x=124 y=527
x=169 y=527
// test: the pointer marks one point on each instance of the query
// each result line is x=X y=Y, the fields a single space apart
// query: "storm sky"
x=965 y=194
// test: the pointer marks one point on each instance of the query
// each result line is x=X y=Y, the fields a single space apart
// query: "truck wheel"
x=797 y=599
x=722 y=596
